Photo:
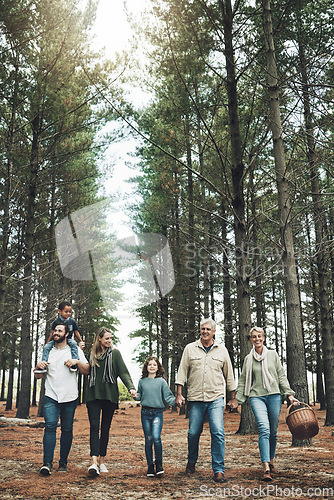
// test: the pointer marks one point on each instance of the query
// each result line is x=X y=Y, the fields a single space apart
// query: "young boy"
x=64 y=318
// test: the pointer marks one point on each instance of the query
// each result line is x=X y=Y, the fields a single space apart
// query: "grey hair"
x=209 y=320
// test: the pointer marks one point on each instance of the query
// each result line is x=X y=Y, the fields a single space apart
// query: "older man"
x=61 y=395
x=204 y=366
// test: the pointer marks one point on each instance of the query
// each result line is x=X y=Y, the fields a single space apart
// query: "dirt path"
x=304 y=473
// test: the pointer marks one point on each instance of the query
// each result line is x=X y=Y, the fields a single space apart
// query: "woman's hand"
x=293 y=400
x=133 y=393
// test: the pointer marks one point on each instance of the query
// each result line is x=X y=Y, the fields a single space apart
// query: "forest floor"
x=303 y=472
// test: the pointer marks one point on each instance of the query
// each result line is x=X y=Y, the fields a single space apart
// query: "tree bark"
x=26 y=344
x=294 y=338
x=247 y=421
x=322 y=257
x=191 y=330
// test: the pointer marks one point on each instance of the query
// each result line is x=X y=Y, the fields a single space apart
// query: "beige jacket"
x=205 y=372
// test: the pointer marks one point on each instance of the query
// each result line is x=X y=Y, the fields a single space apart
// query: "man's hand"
x=133 y=393
x=42 y=365
x=179 y=400
x=233 y=403
x=82 y=345
x=71 y=362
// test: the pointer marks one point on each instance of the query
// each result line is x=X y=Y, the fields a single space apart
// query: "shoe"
x=266 y=476
x=62 y=468
x=103 y=468
x=39 y=370
x=45 y=470
x=74 y=368
x=190 y=469
x=93 y=470
x=159 y=469
x=273 y=469
x=150 y=471
x=219 y=477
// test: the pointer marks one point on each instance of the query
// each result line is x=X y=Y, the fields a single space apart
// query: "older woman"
x=263 y=380
x=102 y=395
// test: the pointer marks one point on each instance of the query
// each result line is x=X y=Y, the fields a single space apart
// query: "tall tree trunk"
x=322 y=256
x=3 y=384
x=26 y=345
x=204 y=255
x=34 y=392
x=247 y=421
x=274 y=303
x=191 y=230
x=228 y=317
x=315 y=301
x=5 y=219
x=12 y=357
x=294 y=339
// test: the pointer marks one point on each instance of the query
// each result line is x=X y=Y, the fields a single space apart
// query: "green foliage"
x=124 y=394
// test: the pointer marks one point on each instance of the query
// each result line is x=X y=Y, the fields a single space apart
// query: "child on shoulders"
x=65 y=312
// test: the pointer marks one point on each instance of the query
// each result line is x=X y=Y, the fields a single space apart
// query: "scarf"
x=266 y=377
x=107 y=373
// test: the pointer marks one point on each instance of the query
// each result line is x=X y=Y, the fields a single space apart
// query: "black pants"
x=99 y=442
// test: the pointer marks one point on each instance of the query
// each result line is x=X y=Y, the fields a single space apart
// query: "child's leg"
x=74 y=348
x=146 y=420
x=156 y=435
x=74 y=353
x=47 y=349
x=45 y=356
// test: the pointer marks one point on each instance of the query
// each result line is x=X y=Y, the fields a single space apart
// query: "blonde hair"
x=96 y=351
x=256 y=329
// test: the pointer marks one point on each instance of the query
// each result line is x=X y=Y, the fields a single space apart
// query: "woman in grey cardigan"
x=263 y=380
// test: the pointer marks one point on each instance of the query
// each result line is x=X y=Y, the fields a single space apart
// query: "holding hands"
x=180 y=400
x=133 y=393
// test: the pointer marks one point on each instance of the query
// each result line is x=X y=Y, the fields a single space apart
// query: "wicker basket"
x=302 y=421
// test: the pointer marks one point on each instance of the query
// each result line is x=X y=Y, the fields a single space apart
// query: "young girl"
x=152 y=391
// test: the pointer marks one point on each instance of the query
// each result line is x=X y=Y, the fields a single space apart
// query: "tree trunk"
x=3 y=385
x=247 y=421
x=26 y=345
x=192 y=334
x=322 y=256
x=294 y=339
x=9 y=399
x=5 y=218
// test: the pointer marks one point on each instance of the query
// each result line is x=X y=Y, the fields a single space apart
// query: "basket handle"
x=301 y=402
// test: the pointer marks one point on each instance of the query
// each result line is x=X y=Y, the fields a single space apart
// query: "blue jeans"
x=267 y=410
x=72 y=343
x=52 y=411
x=215 y=411
x=152 y=420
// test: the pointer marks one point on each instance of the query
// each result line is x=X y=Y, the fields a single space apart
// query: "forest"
x=236 y=172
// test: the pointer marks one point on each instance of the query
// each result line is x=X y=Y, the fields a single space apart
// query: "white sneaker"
x=103 y=468
x=93 y=470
